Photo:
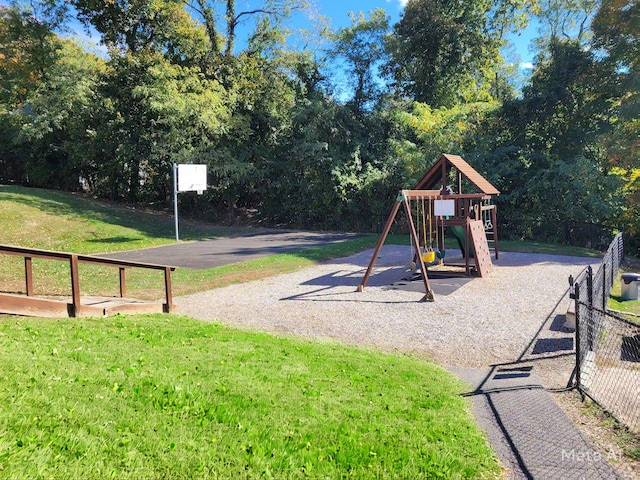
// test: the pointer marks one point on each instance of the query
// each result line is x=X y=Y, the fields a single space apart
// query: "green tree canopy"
x=438 y=48
x=362 y=46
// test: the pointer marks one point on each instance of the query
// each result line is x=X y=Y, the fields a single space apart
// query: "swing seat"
x=428 y=257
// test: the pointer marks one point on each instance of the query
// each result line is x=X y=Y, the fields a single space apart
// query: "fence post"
x=28 y=275
x=123 y=283
x=75 y=285
x=590 y=303
x=576 y=296
x=168 y=307
x=606 y=288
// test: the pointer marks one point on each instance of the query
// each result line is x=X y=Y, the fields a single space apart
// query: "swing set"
x=430 y=255
x=471 y=218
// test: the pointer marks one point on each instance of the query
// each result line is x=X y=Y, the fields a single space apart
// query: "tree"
x=46 y=83
x=439 y=50
x=53 y=126
x=616 y=32
x=562 y=20
x=148 y=114
x=548 y=152
x=447 y=51
x=616 y=29
x=29 y=48
x=223 y=39
x=564 y=106
x=157 y=26
x=566 y=19
x=362 y=46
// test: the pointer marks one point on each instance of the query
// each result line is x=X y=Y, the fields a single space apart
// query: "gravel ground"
x=484 y=322
x=514 y=315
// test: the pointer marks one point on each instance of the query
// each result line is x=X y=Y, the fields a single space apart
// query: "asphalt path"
x=210 y=253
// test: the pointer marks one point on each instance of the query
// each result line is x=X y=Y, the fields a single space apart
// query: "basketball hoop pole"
x=175 y=197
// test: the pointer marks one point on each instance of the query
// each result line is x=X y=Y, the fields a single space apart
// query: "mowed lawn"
x=162 y=396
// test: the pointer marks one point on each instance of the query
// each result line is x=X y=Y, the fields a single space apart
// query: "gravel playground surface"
x=495 y=333
x=493 y=320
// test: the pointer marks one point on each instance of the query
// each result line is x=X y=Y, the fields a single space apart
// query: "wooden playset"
x=436 y=203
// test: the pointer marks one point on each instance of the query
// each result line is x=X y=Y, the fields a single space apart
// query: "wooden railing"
x=75 y=309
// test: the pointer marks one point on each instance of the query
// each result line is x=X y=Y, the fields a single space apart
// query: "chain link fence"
x=607 y=345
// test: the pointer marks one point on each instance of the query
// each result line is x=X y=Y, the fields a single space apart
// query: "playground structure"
x=470 y=217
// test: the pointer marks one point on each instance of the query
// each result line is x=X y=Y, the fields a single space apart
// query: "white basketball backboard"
x=192 y=178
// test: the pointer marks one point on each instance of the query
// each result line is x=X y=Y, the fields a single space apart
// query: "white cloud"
x=526 y=65
x=401 y=3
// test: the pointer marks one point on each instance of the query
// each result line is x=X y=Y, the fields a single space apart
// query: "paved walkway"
x=531 y=435
x=211 y=253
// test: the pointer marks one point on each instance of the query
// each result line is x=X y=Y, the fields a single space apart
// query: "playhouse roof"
x=437 y=176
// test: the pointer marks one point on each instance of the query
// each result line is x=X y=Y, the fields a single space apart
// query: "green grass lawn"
x=164 y=396
x=625 y=306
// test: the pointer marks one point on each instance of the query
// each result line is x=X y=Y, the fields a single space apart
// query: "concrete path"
x=532 y=436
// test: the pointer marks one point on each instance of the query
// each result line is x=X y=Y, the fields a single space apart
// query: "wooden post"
x=383 y=237
x=494 y=221
x=444 y=174
x=425 y=278
x=168 y=307
x=123 y=284
x=28 y=275
x=467 y=232
x=75 y=286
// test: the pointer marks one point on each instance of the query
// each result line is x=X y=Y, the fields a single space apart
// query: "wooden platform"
x=77 y=305
x=61 y=307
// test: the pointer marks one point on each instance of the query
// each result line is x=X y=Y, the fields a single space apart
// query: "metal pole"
x=606 y=287
x=590 y=302
x=175 y=197
x=576 y=296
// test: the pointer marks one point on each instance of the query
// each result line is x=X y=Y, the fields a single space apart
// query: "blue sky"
x=338 y=13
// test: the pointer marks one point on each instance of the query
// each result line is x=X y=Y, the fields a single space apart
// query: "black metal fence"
x=607 y=345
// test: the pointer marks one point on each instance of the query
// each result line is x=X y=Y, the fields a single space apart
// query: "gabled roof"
x=437 y=176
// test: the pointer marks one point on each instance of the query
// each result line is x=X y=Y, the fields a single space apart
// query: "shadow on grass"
x=115 y=240
x=153 y=224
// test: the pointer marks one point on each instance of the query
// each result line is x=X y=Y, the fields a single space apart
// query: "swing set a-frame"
x=471 y=217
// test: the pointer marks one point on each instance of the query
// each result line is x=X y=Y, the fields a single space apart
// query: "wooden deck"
x=15 y=304
x=41 y=305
